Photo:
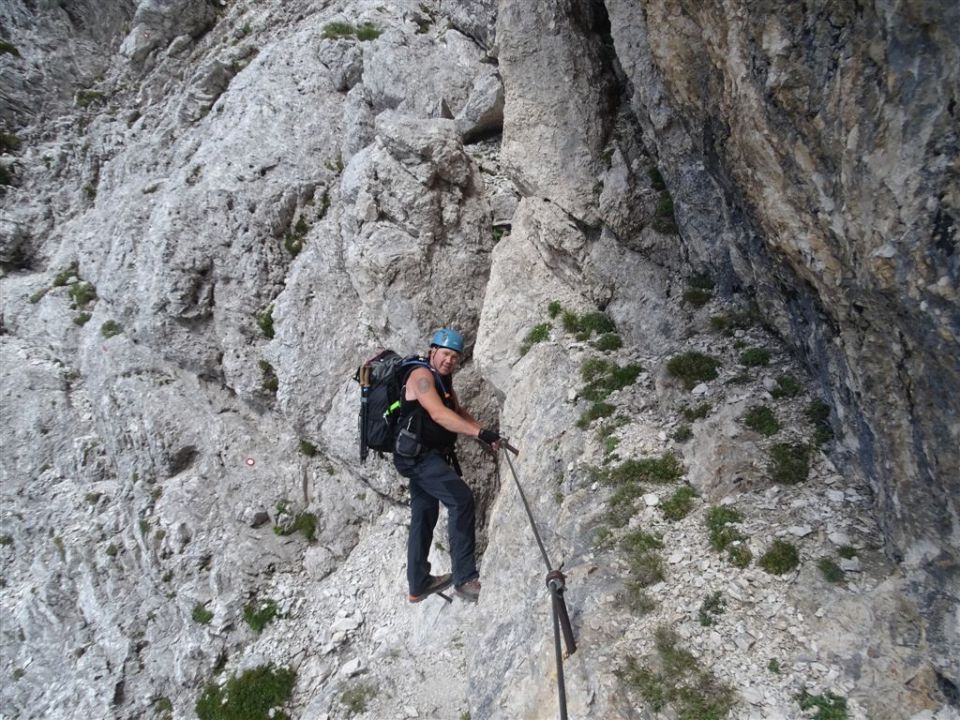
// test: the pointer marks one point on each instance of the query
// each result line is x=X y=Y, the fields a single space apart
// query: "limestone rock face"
x=475 y=18
x=704 y=255
x=558 y=104
x=54 y=50
x=801 y=119
x=157 y=22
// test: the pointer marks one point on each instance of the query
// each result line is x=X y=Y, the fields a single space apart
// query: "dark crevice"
x=184 y=458
x=951 y=692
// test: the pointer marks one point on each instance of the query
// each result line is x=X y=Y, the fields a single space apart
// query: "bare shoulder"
x=420 y=381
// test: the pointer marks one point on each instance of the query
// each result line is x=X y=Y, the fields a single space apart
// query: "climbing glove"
x=488 y=436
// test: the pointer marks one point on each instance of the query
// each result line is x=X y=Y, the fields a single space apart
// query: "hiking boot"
x=469 y=591
x=438 y=583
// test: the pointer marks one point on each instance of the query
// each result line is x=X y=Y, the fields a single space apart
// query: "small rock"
x=346 y=624
x=799 y=530
x=838 y=537
x=352 y=667
x=409 y=712
x=850 y=564
x=651 y=500
x=701 y=389
x=752 y=695
x=835 y=495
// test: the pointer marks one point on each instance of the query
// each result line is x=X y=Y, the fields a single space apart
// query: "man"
x=430 y=419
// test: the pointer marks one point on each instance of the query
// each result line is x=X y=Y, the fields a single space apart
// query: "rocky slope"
x=211 y=211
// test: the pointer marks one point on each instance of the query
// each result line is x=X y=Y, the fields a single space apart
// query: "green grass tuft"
x=787 y=387
x=355 y=699
x=679 y=505
x=265 y=322
x=682 y=433
x=64 y=276
x=789 y=463
x=539 y=333
x=87 y=98
x=110 y=328
x=269 y=380
x=723 y=536
x=608 y=342
x=584 y=326
x=677 y=680
x=711 y=608
x=698 y=412
x=594 y=323
x=259 y=615
x=305 y=523
x=621 y=506
x=39 y=295
x=761 y=419
x=82 y=294
x=597 y=410
x=639 y=542
x=604 y=377
x=828 y=706
x=7 y=48
x=780 y=558
x=368 y=31
x=554 y=308
x=656 y=179
x=336 y=29
x=818 y=413
x=9 y=142
x=201 y=615
x=739 y=554
x=665 y=469
x=693 y=368
x=294 y=239
x=697 y=297
x=253 y=695
x=664 y=220
x=830 y=571
x=755 y=357
x=646 y=565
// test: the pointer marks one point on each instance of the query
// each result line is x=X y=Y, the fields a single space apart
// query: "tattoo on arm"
x=423 y=385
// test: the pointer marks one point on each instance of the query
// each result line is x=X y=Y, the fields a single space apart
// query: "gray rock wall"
x=216 y=210
x=831 y=151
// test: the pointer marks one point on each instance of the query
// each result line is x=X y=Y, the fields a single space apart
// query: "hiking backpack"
x=381 y=381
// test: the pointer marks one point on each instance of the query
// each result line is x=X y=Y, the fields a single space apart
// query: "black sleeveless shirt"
x=433 y=436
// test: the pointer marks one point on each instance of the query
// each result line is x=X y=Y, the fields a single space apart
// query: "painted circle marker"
x=251 y=462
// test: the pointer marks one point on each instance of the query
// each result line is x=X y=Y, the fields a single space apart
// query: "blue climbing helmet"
x=447 y=338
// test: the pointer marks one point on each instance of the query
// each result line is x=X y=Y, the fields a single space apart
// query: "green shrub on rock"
x=256 y=694
x=789 y=463
x=780 y=558
x=538 y=334
x=693 y=368
x=761 y=419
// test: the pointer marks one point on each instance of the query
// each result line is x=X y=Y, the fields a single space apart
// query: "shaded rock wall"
x=247 y=200
x=826 y=141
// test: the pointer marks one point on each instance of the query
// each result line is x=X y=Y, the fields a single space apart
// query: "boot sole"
x=428 y=593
